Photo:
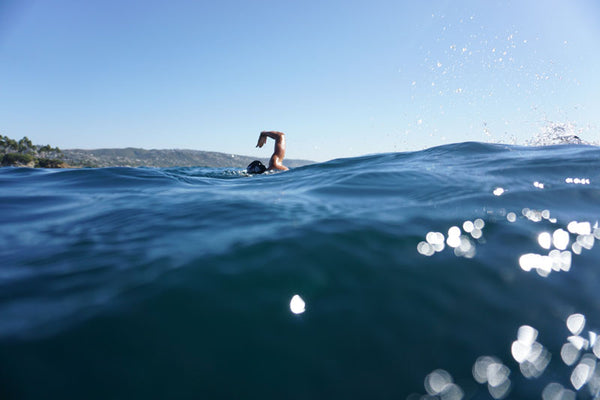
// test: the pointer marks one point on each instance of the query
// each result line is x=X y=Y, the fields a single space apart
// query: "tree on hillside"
x=7 y=144
x=25 y=146
x=48 y=150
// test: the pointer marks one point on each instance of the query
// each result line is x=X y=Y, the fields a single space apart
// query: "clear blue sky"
x=341 y=78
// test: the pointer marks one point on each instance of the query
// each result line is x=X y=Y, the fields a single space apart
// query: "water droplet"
x=480 y=368
x=527 y=334
x=468 y=226
x=576 y=323
x=579 y=342
x=500 y=391
x=425 y=249
x=497 y=374
x=434 y=238
x=596 y=348
x=586 y=241
x=583 y=372
x=437 y=381
x=556 y=391
x=520 y=351
x=560 y=239
x=569 y=353
x=452 y=392
x=297 y=305
x=545 y=240
x=580 y=228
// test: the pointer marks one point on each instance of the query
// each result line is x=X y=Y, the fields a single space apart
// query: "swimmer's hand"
x=262 y=139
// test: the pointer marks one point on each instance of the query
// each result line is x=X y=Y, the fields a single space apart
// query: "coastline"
x=23 y=153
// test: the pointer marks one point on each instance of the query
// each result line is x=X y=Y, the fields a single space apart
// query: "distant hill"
x=134 y=157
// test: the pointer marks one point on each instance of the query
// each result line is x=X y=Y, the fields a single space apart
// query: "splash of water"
x=557 y=133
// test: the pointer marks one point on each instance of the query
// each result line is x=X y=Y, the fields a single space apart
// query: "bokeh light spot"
x=297 y=305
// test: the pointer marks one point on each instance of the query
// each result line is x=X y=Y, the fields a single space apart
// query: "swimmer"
x=275 y=163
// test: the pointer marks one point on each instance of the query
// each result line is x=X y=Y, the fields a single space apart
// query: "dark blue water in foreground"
x=140 y=283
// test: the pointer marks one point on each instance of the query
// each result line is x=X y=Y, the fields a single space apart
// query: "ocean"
x=465 y=271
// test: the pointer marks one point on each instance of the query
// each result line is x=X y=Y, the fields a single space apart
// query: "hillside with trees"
x=24 y=153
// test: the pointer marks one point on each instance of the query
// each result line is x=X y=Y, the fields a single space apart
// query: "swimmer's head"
x=256 y=167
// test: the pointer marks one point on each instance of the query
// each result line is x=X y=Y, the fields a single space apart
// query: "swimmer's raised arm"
x=262 y=139
x=279 y=152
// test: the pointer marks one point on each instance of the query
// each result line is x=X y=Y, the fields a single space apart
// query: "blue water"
x=176 y=282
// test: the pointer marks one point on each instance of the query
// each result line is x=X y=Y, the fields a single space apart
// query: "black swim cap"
x=256 y=167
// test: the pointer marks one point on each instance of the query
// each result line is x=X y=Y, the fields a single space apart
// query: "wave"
x=179 y=280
